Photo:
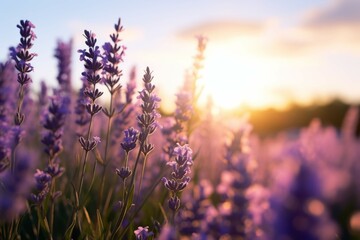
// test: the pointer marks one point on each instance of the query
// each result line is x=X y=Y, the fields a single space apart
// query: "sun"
x=235 y=77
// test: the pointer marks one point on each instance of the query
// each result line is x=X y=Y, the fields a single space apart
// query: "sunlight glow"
x=234 y=77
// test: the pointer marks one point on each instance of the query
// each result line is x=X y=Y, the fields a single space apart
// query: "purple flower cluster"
x=22 y=57
x=80 y=109
x=142 y=233
x=130 y=139
x=21 y=54
x=93 y=67
x=147 y=120
x=63 y=54
x=43 y=182
x=14 y=190
x=179 y=176
x=7 y=78
x=54 y=121
x=112 y=56
x=176 y=131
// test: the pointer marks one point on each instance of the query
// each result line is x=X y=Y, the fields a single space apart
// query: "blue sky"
x=260 y=53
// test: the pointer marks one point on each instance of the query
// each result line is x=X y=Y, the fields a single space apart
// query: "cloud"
x=336 y=26
x=337 y=14
x=224 y=30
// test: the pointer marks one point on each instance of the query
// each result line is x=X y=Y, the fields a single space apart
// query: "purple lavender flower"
x=43 y=181
x=92 y=72
x=130 y=139
x=179 y=131
x=21 y=54
x=91 y=58
x=14 y=190
x=147 y=121
x=89 y=145
x=54 y=169
x=233 y=217
x=7 y=87
x=43 y=95
x=142 y=233
x=80 y=109
x=7 y=77
x=131 y=86
x=179 y=176
x=301 y=213
x=197 y=215
x=112 y=57
x=54 y=121
x=124 y=172
x=91 y=76
x=63 y=54
x=22 y=58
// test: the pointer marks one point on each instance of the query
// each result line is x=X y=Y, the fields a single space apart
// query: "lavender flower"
x=22 y=57
x=54 y=121
x=131 y=86
x=14 y=190
x=176 y=132
x=7 y=87
x=147 y=120
x=63 y=54
x=90 y=57
x=43 y=181
x=43 y=95
x=80 y=109
x=124 y=172
x=142 y=233
x=112 y=57
x=7 y=76
x=91 y=74
x=234 y=218
x=130 y=139
x=179 y=176
x=21 y=54
x=198 y=213
x=301 y=212
x=93 y=66
x=89 y=145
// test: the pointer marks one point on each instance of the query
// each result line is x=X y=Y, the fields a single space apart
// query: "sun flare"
x=236 y=78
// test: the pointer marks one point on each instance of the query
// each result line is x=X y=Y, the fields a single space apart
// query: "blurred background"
x=288 y=61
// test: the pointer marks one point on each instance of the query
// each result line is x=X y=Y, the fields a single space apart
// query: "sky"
x=260 y=53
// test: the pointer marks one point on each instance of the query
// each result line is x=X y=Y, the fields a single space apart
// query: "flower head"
x=142 y=233
x=131 y=136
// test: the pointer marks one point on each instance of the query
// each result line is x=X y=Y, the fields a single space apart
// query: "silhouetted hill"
x=270 y=121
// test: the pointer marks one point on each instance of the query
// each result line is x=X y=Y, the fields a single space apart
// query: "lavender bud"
x=124 y=172
x=174 y=203
x=131 y=136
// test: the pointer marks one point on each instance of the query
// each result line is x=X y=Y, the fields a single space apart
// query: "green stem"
x=42 y=217
x=83 y=173
x=31 y=219
x=85 y=158
x=21 y=99
x=13 y=160
x=124 y=207
x=106 y=148
x=142 y=174
x=52 y=206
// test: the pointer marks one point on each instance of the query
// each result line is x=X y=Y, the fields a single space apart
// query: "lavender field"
x=106 y=161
